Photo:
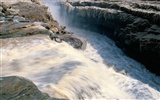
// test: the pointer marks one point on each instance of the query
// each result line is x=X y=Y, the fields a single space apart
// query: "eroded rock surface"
x=23 y=18
x=15 y=29
x=134 y=25
x=19 y=88
x=28 y=12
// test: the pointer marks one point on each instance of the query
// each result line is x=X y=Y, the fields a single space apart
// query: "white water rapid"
x=101 y=72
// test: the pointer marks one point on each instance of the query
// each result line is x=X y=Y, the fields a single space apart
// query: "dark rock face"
x=135 y=25
x=19 y=88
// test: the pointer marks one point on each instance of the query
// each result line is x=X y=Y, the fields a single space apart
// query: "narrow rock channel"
x=133 y=25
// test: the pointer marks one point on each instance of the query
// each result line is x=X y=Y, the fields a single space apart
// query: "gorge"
x=59 y=71
x=133 y=25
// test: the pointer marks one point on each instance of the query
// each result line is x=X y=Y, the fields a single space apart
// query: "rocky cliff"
x=134 y=25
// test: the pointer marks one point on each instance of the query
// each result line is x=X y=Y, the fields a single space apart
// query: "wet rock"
x=154 y=29
x=75 y=41
x=141 y=23
x=19 y=88
x=134 y=25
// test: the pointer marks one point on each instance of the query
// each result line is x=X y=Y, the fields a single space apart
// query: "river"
x=102 y=71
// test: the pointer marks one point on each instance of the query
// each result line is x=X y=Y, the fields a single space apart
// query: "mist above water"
x=58 y=69
x=102 y=49
x=102 y=71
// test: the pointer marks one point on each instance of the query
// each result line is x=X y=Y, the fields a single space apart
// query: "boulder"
x=19 y=88
x=75 y=41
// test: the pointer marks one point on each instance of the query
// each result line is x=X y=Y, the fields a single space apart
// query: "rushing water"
x=102 y=71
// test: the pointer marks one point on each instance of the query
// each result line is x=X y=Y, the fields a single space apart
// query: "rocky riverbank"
x=19 y=18
x=134 y=25
x=30 y=18
x=57 y=70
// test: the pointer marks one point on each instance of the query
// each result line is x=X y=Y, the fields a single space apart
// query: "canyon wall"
x=134 y=26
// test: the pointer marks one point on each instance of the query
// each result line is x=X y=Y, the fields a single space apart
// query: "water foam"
x=102 y=71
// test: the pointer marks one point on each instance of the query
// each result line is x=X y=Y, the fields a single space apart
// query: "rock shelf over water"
x=24 y=18
x=19 y=88
x=30 y=18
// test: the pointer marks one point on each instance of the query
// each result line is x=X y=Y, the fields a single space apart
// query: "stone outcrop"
x=19 y=88
x=75 y=41
x=15 y=29
x=19 y=18
x=27 y=12
x=134 y=25
x=33 y=11
x=22 y=18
